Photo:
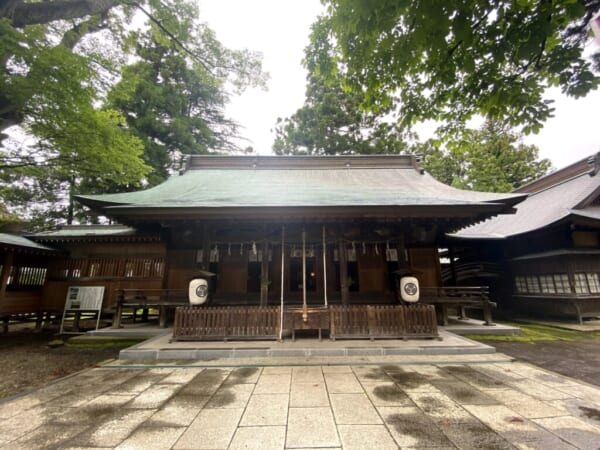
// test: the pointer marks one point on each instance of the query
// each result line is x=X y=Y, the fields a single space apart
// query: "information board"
x=83 y=298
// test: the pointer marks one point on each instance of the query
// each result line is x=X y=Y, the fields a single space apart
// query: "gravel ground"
x=576 y=359
x=28 y=362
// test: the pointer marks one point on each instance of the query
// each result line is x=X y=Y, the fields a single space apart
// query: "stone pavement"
x=490 y=405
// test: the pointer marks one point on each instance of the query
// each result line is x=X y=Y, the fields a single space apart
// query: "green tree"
x=21 y=13
x=54 y=82
x=86 y=153
x=175 y=102
x=448 y=60
x=52 y=92
x=331 y=122
x=492 y=158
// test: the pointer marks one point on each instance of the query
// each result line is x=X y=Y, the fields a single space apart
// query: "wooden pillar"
x=324 y=267
x=282 y=277
x=205 y=248
x=402 y=256
x=264 y=274
x=343 y=259
x=452 y=265
x=6 y=268
x=304 y=304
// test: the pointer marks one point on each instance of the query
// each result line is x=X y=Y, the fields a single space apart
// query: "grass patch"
x=104 y=343
x=536 y=332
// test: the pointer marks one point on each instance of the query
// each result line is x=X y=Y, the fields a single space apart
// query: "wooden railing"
x=216 y=323
x=461 y=298
x=382 y=322
x=163 y=299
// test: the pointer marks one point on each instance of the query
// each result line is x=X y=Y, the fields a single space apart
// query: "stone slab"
x=266 y=409
x=216 y=428
x=319 y=421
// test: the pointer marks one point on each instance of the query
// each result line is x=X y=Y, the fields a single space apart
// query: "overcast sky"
x=279 y=29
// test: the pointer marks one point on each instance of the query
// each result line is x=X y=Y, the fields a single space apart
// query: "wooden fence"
x=216 y=323
x=344 y=322
x=383 y=322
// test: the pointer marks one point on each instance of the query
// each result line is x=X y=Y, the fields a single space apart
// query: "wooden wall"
x=425 y=263
x=112 y=265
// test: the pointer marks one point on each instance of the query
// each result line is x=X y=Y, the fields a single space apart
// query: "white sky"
x=280 y=29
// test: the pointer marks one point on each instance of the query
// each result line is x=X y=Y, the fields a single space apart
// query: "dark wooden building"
x=23 y=269
x=545 y=259
x=357 y=220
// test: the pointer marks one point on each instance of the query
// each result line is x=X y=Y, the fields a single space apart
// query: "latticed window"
x=99 y=268
x=593 y=282
x=521 y=284
x=561 y=283
x=581 y=286
x=547 y=284
x=26 y=276
x=533 y=285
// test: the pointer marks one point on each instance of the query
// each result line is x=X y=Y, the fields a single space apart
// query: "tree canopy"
x=492 y=158
x=331 y=121
x=448 y=60
x=107 y=102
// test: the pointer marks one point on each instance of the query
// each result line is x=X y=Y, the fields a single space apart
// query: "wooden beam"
x=343 y=260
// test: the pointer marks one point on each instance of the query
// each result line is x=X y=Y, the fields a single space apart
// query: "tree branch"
x=174 y=38
x=21 y=13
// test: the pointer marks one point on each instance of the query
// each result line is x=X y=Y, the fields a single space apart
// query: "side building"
x=545 y=259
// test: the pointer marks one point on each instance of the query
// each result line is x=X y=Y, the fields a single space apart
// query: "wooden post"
x=452 y=266
x=264 y=274
x=324 y=268
x=344 y=288
x=304 y=304
x=205 y=248
x=6 y=269
x=282 y=273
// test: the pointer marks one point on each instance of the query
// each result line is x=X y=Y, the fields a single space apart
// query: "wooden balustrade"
x=461 y=298
x=163 y=299
x=383 y=322
x=223 y=323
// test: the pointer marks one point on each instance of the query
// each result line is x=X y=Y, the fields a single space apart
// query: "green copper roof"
x=13 y=240
x=216 y=182
x=75 y=231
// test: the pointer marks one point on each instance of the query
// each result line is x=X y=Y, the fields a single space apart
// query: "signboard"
x=83 y=298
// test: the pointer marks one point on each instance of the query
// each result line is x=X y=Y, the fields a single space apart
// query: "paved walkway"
x=491 y=405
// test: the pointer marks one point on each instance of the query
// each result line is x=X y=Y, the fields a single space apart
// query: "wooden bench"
x=206 y=323
x=461 y=298
x=162 y=299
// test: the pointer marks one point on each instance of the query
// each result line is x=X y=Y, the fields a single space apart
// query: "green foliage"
x=175 y=102
x=448 y=60
x=331 y=121
x=492 y=158
x=94 y=135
